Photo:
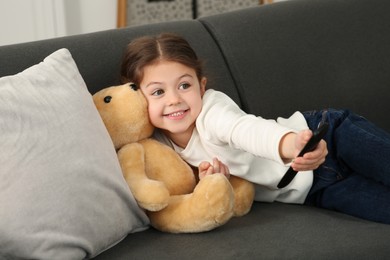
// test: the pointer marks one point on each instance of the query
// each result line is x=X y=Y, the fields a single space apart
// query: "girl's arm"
x=224 y=122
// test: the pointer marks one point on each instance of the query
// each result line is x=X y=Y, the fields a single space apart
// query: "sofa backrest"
x=308 y=55
x=272 y=60
x=98 y=55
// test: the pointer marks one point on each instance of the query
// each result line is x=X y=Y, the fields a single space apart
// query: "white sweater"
x=247 y=144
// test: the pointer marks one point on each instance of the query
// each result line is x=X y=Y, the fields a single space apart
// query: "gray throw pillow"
x=62 y=193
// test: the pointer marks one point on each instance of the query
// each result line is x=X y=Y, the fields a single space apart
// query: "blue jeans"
x=355 y=178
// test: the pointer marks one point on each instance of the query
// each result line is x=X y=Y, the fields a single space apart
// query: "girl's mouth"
x=177 y=115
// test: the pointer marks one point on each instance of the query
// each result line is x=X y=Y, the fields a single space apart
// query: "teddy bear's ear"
x=133 y=86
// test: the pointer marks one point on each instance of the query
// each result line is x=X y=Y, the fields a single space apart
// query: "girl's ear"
x=203 y=83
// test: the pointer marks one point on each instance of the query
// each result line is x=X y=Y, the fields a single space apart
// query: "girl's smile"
x=177 y=115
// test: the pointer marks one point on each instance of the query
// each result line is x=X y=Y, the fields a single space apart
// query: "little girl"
x=208 y=130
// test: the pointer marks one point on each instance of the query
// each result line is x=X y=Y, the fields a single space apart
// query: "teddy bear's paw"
x=213 y=198
x=151 y=195
x=244 y=194
x=208 y=207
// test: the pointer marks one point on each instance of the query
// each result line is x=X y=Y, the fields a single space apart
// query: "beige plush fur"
x=162 y=183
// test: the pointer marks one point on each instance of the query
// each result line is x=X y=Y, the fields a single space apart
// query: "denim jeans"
x=355 y=178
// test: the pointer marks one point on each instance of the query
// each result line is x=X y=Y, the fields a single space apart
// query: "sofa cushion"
x=268 y=231
x=308 y=55
x=62 y=193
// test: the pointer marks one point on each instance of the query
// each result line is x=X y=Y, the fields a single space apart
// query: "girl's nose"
x=174 y=98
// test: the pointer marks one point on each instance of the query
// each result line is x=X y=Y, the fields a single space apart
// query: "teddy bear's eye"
x=133 y=86
x=107 y=99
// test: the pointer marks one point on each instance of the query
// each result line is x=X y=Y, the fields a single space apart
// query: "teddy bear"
x=162 y=183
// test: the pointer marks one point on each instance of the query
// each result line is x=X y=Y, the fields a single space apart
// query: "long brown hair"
x=146 y=50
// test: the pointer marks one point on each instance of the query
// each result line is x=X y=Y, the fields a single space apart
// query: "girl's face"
x=174 y=94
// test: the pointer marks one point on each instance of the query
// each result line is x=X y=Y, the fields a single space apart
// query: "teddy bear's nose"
x=107 y=99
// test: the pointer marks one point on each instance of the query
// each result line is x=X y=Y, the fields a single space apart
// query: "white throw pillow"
x=62 y=193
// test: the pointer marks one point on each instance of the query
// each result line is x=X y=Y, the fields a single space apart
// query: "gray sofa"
x=272 y=60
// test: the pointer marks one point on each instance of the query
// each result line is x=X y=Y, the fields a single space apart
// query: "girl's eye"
x=158 y=92
x=184 y=86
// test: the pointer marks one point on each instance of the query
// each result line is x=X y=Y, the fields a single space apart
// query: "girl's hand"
x=205 y=168
x=311 y=160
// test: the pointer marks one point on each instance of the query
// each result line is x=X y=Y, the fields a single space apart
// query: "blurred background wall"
x=30 y=20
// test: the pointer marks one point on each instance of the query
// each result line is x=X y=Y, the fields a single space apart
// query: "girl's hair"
x=147 y=50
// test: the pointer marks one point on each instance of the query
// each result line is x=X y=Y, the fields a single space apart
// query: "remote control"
x=318 y=134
